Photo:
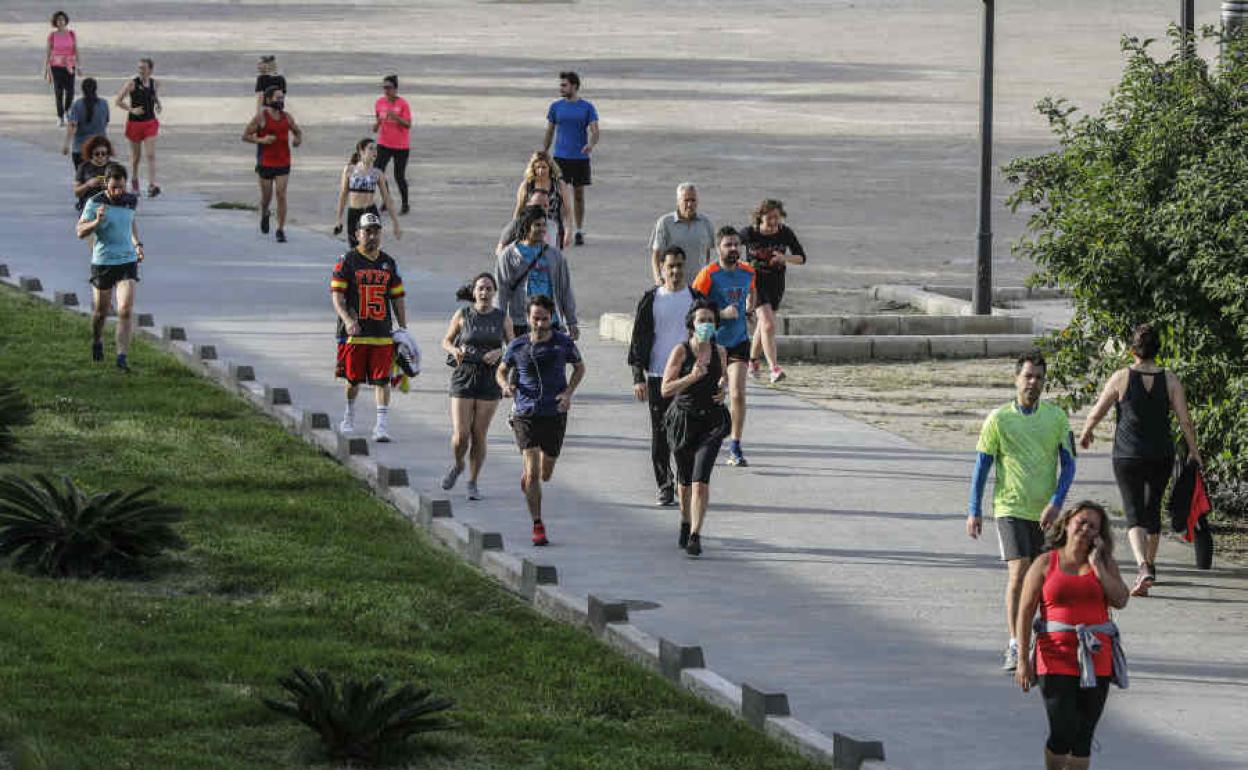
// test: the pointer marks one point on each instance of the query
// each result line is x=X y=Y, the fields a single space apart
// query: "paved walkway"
x=836 y=565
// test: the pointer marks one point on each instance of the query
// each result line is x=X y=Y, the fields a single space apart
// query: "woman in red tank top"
x=1075 y=584
x=275 y=131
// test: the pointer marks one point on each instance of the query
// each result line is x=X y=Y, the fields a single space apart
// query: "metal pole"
x=1187 y=24
x=982 y=293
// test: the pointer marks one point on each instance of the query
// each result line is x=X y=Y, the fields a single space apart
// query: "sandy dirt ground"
x=862 y=117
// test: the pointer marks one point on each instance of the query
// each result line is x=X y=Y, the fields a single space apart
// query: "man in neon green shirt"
x=1026 y=440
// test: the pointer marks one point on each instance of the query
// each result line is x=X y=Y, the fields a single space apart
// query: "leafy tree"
x=1142 y=214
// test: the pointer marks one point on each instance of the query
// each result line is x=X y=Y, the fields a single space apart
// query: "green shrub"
x=15 y=408
x=63 y=532
x=360 y=722
x=1142 y=214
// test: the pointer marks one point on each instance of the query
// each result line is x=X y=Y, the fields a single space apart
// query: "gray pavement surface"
x=837 y=568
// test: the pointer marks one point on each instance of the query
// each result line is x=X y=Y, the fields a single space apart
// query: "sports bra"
x=363 y=183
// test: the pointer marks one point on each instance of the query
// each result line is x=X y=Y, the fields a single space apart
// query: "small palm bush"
x=63 y=532
x=360 y=722
x=15 y=408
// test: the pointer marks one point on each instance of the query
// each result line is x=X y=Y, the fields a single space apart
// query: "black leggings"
x=1142 y=483
x=63 y=85
x=1073 y=712
x=384 y=154
x=353 y=222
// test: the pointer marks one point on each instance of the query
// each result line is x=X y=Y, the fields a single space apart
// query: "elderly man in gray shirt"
x=684 y=227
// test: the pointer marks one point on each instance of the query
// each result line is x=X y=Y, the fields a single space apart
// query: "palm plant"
x=15 y=408
x=360 y=721
x=63 y=532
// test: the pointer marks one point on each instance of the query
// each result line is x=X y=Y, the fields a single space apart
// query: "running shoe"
x=666 y=497
x=406 y=208
x=539 y=534
x=755 y=369
x=153 y=190
x=737 y=459
x=777 y=374
x=684 y=535
x=473 y=492
x=60 y=122
x=264 y=222
x=1010 y=658
x=381 y=435
x=97 y=351
x=579 y=240
x=448 y=481
x=123 y=366
x=695 y=544
x=281 y=235
x=347 y=426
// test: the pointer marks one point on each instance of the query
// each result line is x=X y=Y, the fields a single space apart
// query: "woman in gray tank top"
x=474 y=344
x=1143 y=395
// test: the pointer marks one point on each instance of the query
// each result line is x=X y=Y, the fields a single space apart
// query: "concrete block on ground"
x=4 y=270
x=433 y=507
x=810 y=324
x=556 y=603
x=712 y=688
x=801 y=737
x=866 y=325
x=533 y=575
x=451 y=534
x=243 y=373
x=635 y=644
x=65 y=298
x=313 y=420
x=757 y=705
x=388 y=477
x=407 y=500
x=615 y=326
x=173 y=333
x=29 y=283
x=674 y=658
x=145 y=320
x=850 y=753
x=900 y=348
x=602 y=612
x=836 y=349
x=958 y=346
x=928 y=324
x=506 y=568
x=276 y=396
x=998 y=345
x=480 y=541
x=205 y=352
x=796 y=348
x=351 y=445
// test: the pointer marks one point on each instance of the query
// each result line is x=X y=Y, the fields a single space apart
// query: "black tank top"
x=481 y=332
x=145 y=97
x=700 y=395
x=1143 y=431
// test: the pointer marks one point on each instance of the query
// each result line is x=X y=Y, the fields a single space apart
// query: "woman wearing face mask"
x=358 y=188
x=275 y=131
x=697 y=421
x=475 y=340
x=1073 y=586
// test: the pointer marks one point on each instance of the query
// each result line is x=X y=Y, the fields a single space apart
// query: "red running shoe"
x=539 y=534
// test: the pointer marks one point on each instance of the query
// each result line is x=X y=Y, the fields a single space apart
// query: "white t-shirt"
x=670 y=309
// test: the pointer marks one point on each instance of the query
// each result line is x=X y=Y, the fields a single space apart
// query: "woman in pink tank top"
x=61 y=63
x=1073 y=586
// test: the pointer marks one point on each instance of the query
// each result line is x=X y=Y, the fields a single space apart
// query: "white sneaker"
x=60 y=122
x=380 y=435
x=473 y=492
x=777 y=374
x=347 y=426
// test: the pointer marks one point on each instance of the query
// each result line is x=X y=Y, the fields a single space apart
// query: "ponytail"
x=89 y=98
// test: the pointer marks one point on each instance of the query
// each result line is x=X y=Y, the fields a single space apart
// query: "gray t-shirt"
x=696 y=236
x=86 y=129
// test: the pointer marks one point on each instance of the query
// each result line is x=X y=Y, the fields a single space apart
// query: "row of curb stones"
x=536 y=583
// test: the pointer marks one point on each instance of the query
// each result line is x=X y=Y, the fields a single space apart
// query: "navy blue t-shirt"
x=541 y=371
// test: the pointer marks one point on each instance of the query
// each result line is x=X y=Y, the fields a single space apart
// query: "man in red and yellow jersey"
x=368 y=298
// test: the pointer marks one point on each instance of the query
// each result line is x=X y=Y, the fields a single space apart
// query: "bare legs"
x=537 y=468
x=693 y=501
x=470 y=424
x=266 y=194
x=736 y=396
x=281 y=183
x=1017 y=570
x=578 y=195
x=1143 y=545
x=125 y=314
x=764 y=338
x=149 y=152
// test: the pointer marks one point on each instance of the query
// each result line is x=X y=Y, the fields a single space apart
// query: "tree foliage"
x=1142 y=214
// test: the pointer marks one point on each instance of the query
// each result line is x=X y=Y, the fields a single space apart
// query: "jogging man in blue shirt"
x=572 y=122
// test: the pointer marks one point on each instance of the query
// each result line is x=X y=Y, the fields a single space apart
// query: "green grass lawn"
x=291 y=562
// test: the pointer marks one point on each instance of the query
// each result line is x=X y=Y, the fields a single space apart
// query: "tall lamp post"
x=982 y=293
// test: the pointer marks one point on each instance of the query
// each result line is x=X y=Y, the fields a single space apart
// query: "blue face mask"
x=704 y=331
